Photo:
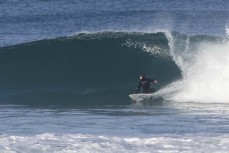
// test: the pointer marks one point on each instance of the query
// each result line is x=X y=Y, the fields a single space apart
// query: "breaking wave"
x=103 y=68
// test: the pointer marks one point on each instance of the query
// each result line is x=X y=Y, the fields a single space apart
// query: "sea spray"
x=205 y=71
x=207 y=80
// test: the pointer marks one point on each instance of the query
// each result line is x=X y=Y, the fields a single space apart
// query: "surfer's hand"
x=155 y=81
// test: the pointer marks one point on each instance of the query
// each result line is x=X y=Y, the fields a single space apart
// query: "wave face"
x=84 y=69
x=103 y=68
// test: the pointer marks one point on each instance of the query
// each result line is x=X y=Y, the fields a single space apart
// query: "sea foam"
x=205 y=72
x=81 y=143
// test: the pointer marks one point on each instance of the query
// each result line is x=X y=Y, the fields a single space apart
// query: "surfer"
x=145 y=84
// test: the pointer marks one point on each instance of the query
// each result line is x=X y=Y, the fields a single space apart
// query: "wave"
x=94 y=68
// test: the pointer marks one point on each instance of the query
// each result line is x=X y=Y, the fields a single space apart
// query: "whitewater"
x=67 y=68
x=205 y=72
x=170 y=127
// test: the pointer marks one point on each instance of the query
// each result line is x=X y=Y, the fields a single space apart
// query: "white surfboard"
x=143 y=97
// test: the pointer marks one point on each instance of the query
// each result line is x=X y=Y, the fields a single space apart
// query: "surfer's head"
x=142 y=77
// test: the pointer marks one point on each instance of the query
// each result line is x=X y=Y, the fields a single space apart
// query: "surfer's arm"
x=153 y=80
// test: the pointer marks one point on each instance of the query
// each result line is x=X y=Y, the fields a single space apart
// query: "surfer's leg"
x=151 y=90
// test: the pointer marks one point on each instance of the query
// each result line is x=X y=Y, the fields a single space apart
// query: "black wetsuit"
x=145 y=84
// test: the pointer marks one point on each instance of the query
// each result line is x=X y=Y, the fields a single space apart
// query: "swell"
x=100 y=68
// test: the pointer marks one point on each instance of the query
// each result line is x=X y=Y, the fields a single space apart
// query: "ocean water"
x=67 y=68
